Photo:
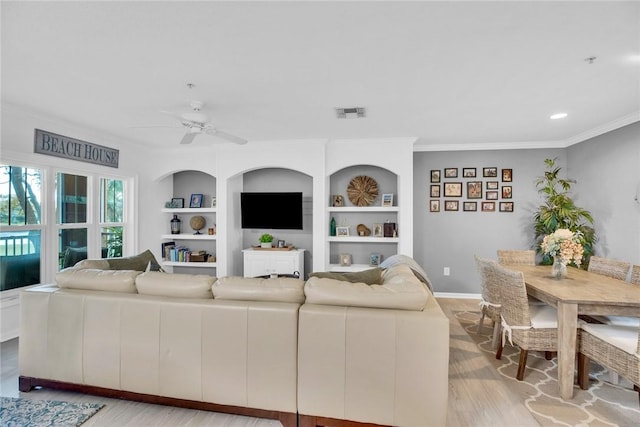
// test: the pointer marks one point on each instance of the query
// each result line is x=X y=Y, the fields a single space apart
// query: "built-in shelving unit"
x=361 y=247
x=186 y=183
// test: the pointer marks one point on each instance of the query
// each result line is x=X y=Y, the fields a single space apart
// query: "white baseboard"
x=456 y=295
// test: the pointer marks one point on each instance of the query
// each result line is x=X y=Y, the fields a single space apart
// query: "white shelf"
x=190 y=264
x=189 y=210
x=186 y=236
x=364 y=209
x=337 y=268
x=366 y=239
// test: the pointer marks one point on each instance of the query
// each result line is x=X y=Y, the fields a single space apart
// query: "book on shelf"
x=164 y=250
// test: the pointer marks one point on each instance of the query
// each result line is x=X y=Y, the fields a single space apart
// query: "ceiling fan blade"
x=188 y=137
x=155 y=126
x=225 y=135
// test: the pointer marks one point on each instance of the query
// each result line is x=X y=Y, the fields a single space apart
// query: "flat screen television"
x=282 y=211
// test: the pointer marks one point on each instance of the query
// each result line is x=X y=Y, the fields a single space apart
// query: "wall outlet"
x=447 y=271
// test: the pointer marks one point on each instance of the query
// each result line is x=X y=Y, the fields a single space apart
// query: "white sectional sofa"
x=375 y=354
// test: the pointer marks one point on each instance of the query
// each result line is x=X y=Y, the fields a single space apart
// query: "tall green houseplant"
x=559 y=211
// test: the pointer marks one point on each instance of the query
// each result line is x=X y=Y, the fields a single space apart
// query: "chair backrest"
x=609 y=267
x=513 y=295
x=488 y=292
x=635 y=275
x=512 y=256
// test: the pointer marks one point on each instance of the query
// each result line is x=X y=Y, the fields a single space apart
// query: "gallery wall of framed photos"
x=471 y=189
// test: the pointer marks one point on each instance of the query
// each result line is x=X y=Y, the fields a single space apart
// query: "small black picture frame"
x=451 y=172
x=435 y=175
x=177 y=202
x=491 y=172
x=506 y=206
x=435 y=190
x=469 y=206
x=195 y=201
x=468 y=172
x=452 y=189
x=281 y=243
x=451 y=205
x=488 y=206
x=507 y=192
x=474 y=190
x=507 y=175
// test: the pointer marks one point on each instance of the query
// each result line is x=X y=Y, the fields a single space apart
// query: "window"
x=71 y=216
x=111 y=217
x=21 y=221
x=50 y=224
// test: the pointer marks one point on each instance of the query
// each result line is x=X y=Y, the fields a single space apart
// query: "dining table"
x=581 y=292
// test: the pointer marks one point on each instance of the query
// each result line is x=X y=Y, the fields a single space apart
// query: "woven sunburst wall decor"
x=362 y=190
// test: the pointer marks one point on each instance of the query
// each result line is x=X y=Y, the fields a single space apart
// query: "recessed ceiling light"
x=558 y=116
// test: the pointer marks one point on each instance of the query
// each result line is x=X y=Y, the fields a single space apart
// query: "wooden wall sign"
x=53 y=144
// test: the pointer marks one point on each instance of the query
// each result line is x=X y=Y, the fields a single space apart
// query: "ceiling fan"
x=196 y=122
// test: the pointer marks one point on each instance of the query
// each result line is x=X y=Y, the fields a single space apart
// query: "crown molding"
x=527 y=145
x=602 y=129
x=481 y=146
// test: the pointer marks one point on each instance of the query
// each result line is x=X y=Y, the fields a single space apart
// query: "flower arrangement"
x=564 y=246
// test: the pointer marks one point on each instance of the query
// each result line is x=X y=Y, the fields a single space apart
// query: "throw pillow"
x=137 y=262
x=372 y=276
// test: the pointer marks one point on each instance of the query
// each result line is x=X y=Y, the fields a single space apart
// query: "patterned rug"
x=603 y=404
x=32 y=413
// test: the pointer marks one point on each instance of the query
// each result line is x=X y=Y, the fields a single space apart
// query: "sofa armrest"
x=386 y=367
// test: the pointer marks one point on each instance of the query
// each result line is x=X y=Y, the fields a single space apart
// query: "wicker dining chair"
x=532 y=327
x=609 y=267
x=635 y=275
x=616 y=269
x=516 y=256
x=519 y=257
x=615 y=347
x=490 y=298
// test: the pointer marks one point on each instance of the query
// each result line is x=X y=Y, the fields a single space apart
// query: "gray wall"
x=607 y=170
x=451 y=239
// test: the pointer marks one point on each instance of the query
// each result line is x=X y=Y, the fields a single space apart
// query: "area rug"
x=31 y=413
x=603 y=404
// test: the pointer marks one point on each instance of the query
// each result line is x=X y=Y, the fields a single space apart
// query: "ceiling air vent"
x=350 y=113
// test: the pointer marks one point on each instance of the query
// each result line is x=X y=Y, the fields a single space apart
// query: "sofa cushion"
x=97 y=264
x=137 y=262
x=372 y=276
x=398 y=291
x=282 y=289
x=175 y=285
x=98 y=280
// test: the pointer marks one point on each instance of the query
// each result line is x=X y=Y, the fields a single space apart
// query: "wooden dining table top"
x=592 y=292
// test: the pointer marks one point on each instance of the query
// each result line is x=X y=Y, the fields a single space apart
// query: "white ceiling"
x=467 y=73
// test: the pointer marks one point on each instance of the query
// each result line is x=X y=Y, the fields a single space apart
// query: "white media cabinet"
x=264 y=262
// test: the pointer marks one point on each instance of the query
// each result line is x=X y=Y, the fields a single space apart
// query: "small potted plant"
x=266 y=240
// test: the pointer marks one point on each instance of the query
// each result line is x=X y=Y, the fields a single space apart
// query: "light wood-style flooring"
x=477 y=395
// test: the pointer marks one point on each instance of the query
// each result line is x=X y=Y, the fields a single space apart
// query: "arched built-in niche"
x=189 y=186
x=357 y=247
x=268 y=179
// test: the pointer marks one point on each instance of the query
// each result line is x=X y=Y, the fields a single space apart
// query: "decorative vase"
x=332 y=227
x=175 y=224
x=558 y=269
x=265 y=244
